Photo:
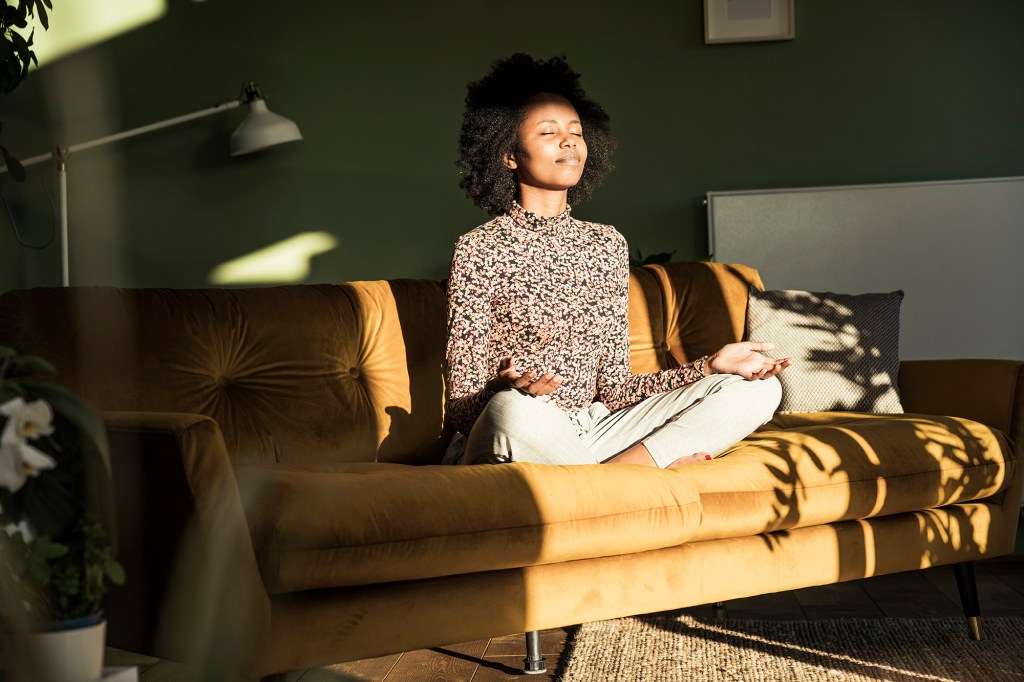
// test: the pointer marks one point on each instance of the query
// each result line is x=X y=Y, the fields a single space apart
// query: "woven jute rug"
x=662 y=648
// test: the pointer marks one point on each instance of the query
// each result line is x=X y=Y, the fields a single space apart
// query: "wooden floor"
x=930 y=593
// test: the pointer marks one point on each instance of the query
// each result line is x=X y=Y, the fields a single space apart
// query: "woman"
x=537 y=302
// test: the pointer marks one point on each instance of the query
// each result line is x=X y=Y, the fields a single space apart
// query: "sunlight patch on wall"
x=285 y=262
x=78 y=24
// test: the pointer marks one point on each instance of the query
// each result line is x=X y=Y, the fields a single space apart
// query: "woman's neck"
x=543 y=202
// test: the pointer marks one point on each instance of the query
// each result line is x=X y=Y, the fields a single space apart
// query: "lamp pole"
x=60 y=155
x=268 y=129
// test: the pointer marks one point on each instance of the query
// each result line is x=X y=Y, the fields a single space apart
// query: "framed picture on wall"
x=741 y=21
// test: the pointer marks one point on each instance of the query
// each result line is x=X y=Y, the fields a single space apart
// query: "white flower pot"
x=65 y=656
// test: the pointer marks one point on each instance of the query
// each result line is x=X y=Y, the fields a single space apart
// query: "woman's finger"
x=543 y=385
x=524 y=380
x=548 y=383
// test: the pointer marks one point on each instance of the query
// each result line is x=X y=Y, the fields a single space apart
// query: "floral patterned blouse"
x=552 y=294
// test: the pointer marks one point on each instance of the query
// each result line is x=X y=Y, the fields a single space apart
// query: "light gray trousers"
x=706 y=416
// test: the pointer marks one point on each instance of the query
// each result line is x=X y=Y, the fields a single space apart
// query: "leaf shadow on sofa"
x=280 y=447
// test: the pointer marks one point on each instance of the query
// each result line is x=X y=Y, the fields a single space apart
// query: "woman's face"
x=551 y=151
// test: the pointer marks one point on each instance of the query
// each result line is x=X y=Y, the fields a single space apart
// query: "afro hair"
x=490 y=128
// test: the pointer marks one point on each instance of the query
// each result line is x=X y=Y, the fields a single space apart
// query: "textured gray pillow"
x=846 y=348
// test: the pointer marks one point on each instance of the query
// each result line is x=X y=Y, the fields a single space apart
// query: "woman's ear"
x=510 y=161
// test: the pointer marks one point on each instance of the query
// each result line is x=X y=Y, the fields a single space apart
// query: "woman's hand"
x=745 y=360
x=508 y=377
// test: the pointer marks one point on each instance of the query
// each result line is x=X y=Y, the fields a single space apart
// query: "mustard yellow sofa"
x=276 y=457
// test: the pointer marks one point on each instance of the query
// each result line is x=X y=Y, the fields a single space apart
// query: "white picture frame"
x=742 y=21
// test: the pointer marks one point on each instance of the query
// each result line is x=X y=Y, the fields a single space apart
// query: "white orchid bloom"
x=26 y=421
x=18 y=459
x=23 y=527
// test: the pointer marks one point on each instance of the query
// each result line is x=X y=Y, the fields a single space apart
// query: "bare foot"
x=690 y=459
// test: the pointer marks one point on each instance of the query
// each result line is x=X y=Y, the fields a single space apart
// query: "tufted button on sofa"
x=281 y=504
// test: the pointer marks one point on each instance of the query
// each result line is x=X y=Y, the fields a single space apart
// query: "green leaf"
x=44 y=548
x=33 y=364
x=114 y=571
x=11 y=388
x=658 y=258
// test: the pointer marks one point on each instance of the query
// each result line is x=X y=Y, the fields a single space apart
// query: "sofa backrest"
x=302 y=374
x=681 y=311
x=310 y=374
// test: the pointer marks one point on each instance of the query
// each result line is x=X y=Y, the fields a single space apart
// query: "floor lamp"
x=260 y=129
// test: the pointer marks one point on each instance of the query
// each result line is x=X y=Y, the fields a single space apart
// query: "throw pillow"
x=845 y=348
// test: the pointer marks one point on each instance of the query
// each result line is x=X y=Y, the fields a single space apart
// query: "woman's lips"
x=569 y=158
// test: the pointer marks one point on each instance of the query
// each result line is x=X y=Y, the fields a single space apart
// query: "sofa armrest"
x=987 y=391
x=192 y=576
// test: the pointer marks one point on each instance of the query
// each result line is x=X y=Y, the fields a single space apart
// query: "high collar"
x=520 y=217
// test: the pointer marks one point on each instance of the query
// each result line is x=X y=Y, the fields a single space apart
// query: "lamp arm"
x=141 y=130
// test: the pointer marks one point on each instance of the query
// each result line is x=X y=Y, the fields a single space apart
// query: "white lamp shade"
x=261 y=129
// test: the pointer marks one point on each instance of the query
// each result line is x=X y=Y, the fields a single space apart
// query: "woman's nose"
x=568 y=141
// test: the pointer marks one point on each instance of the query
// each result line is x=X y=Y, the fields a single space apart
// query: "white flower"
x=18 y=459
x=26 y=421
x=22 y=527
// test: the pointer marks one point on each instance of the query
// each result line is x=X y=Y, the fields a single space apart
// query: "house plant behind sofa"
x=56 y=508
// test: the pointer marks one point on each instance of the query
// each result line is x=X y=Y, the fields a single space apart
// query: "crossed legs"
x=664 y=430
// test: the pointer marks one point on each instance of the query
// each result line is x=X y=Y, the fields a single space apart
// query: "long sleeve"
x=617 y=386
x=466 y=371
x=551 y=294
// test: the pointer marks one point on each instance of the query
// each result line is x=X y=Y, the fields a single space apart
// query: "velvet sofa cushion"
x=704 y=306
x=807 y=469
x=352 y=524
x=681 y=311
x=304 y=374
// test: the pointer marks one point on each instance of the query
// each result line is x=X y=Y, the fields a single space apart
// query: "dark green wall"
x=868 y=92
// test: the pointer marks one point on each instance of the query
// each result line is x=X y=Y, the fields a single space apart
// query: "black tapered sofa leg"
x=534 y=663
x=968 y=587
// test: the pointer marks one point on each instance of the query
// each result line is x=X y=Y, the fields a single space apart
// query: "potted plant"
x=56 y=511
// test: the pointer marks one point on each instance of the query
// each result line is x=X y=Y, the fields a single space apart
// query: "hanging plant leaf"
x=15 y=16
x=40 y=11
x=14 y=167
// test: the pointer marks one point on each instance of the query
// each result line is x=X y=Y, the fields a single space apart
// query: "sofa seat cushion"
x=812 y=468
x=364 y=523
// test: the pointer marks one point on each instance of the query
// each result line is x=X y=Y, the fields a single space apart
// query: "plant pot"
x=65 y=655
